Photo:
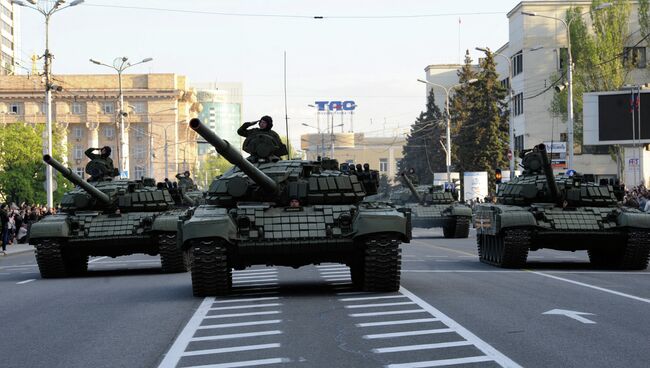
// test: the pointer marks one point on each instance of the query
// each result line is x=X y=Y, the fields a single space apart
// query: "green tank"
x=432 y=206
x=108 y=218
x=538 y=210
x=291 y=213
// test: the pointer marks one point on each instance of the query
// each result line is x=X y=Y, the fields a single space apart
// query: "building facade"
x=537 y=52
x=9 y=37
x=221 y=109
x=381 y=153
x=158 y=108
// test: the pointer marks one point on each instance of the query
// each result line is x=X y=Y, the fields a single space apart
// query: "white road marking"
x=247 y=363
x=373 y=298
x=255 y=274
x=24 y=282
x=247 y=306
x=592 y=287
x=441 y=363
x=335 y=265
x=236 y=315
x=373 y=314
x=246 y=300
x=126 y=261
x=99 y=259
x=237 y=335
x=232 y=349
x=377 y=305
x=408 y=333
x=256 y=270
x=441 y=345
x=325 y=274
x=240 y=324
x=399 y=322
x=261 y=276
x=337 y=279
x=177 y=349
x=525 y=271
x=462 y=331
x=573 y=315
x=237 y=281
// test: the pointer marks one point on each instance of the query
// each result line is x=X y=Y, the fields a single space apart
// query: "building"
x=445 y=75
x=221 y=109
x=9 y=37
x=533 y=70
x=381 y=153
x=159 y=107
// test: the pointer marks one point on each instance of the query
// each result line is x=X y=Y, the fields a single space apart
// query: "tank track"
x=382 y=264
x=171 y=258
x=49 y=258
x=211 y=274
x=637 y=250
x=75 y=264
x=462 y=227
x=507 y=250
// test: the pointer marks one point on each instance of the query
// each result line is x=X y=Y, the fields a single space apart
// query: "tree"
x=213 y=166
x=384 y=186
x=423 y=151
x=482 y=122
x=459 y=111
x=22 y=170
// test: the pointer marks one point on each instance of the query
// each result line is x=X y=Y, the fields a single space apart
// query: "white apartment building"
x=533 y=72
x=9 y=37
x=222 y=111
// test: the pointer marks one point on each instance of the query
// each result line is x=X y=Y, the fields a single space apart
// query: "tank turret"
x=229 y=153
x=411 y=187
x=74 y=178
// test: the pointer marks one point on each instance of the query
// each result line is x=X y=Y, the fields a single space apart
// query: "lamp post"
x=47 y=10
x=151 y=151
x=120 y=64
x=567 y=27
x=317 y=127
x=448 y=129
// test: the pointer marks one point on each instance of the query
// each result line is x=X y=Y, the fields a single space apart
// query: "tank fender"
x=634 y=219
x=515 y=219
x=459 y=210
x=167 y=221
x=207 y=222
x=381 y=221
x=51 y=227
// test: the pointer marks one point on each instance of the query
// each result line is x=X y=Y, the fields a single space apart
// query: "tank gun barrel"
x=74 y=178
x=548 y=172
x=229 y=153
x=411 y=187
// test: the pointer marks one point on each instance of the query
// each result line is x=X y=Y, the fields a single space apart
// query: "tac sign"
x=336 y=105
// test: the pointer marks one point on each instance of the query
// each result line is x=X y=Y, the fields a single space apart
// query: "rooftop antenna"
x=286 y=116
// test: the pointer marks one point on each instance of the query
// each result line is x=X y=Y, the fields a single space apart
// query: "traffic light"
x=497 y=176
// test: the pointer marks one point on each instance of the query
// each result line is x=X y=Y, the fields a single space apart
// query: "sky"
x=362 y=50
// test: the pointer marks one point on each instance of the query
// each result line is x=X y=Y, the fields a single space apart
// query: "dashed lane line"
x=442 y=362
x=25 y=281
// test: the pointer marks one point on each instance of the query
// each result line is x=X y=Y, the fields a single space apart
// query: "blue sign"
x=336 y=105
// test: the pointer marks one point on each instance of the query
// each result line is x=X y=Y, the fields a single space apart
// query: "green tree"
x=211 y=167
x=423 y=151
x=384 y=186
x=459 y=110
x=22 y=170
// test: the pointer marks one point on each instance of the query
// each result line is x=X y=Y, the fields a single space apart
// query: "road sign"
x=573 y=315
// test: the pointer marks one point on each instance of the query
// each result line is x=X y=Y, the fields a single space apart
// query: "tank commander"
x=265 y=127
x=102 y=164
x=412 y=176
x=184 y=181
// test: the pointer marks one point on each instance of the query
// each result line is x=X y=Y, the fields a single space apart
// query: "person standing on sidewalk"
x=4 y=220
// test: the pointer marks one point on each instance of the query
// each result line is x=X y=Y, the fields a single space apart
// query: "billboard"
x=475 y=185
x=616 y=117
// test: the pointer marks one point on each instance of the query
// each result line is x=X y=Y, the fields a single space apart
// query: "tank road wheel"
x=75 y=264
x=382 y=265
x=637 y=251
x=171 y=258
x=461 y=229
x=211 y=275
x=49 y=259
x=449 y=229
x=507 y=250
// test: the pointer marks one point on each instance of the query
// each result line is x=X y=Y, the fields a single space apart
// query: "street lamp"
x=567 y=27
x=448 y=146
x=120 y=64
x=151 y=150
x=47 y=10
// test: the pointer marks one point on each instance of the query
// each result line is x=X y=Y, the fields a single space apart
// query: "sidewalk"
x=17 y=249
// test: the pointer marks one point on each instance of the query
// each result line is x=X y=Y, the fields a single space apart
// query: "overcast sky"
x=352 y=56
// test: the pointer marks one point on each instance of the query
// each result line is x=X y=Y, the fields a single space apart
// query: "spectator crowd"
x=16 y=221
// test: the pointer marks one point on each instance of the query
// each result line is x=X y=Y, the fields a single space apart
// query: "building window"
x=383 y=164
x=139 y=171
x=519 y=143
x=518 y=104
x=109 y=132
x=78 y=152
x=139 y=107
x=77 y=108
x=42 y=108
x=79 y=171
x=634 y=56
x=139 y=151
x=517 y=63
x=138 y=131
x=108 y=108
x=15 y=108
x=6 y=11
x=505 y=83
x=7 y=43
x=78 y=132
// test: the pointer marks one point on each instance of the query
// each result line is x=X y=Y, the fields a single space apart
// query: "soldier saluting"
x=265 y=126
x=103 y=159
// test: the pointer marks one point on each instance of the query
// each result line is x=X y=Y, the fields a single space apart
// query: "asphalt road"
x=451 y=311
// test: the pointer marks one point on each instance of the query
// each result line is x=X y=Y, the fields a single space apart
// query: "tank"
x=539 y=210
x=431 y=206
x=291 y=213
x=108 y=218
